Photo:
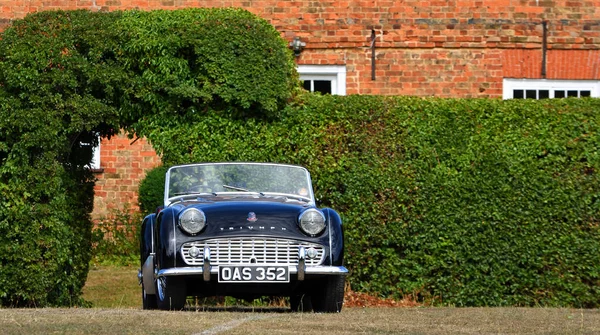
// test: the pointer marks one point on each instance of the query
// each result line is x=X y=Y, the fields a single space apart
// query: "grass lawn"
x=116 y=297
x=113 y=287
x=382 y=320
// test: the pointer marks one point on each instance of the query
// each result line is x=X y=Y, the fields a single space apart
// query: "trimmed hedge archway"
x=67 y=77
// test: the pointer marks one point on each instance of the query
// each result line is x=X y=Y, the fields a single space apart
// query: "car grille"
x=251 y=250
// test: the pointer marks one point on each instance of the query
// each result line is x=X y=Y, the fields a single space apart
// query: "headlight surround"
x=192 y=221
x=312 y=222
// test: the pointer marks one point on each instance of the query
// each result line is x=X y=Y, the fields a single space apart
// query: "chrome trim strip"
x=330 y=237
x=313 y=270
x=327 y=270
x=173 y=241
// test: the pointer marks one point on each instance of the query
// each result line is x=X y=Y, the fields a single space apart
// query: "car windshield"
x=222 y=179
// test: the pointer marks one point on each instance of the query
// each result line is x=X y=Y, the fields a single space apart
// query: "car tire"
x=148 y=300
x=170 y=293
x=301 y=303
x=330 y=296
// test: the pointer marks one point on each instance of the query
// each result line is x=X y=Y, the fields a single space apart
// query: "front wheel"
x=170 y=293
x=330 y=297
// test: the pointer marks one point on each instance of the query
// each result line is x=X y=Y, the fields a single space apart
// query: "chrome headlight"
x=312 y=221
x=192 y=221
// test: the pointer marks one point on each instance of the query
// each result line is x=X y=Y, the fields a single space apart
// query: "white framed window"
x=549 y=89
x=327 y=79
x=95 y=163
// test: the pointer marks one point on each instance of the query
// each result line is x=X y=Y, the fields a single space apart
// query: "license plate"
x=254 y=274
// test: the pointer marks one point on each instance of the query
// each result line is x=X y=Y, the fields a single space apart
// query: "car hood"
x=248 y=216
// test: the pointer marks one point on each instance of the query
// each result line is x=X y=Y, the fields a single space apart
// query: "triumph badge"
x=252 y=217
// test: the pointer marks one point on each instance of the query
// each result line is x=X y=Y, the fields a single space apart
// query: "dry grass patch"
x=116 y=290
x=350 y=321
x=113 y=287
x=106 y=321
x=431 y=321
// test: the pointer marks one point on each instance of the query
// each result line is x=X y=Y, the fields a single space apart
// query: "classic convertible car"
x=244 y=230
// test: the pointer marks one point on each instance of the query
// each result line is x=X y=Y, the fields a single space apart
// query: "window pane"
x=531 y=94
x=333 y=76
x=323 y=86
x=518 y=94
x=306 y=85
x=545 y=89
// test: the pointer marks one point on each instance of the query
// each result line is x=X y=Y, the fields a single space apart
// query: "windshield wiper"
x=195 y=193
x=298 y=197
x=270 y=194
x=286 y=196
x=236 y=188
x=183 y=196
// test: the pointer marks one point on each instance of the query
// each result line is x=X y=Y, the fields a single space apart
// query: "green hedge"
x=456 y=202
x=187 y=61
x=151 y=193
x=50 y=106
x=68 y=76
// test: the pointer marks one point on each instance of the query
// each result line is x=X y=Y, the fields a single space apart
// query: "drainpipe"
x=373 y=38
x=544 y=47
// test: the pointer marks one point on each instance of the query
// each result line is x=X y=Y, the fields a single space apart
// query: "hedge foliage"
x=188 y=61
x=151 y=192
x=457 y=202
x=67 y=77
x=51 y=104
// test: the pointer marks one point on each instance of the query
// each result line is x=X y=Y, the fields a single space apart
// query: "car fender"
x=166 y=239
x=147 y=237
x=147 y=252
x=336 y=236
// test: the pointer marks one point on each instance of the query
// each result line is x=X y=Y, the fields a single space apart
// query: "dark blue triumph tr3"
x=244 y=230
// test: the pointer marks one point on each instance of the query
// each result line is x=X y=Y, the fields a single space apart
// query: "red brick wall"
x=443 y=48
x=123 y=165
x=562 y=64
x=441 y=72
x=446 y=48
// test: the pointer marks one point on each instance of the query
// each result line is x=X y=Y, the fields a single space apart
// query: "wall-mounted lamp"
x=297 y=46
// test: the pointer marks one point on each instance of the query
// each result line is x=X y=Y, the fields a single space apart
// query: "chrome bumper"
x=199 y=271
x=206 y=270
